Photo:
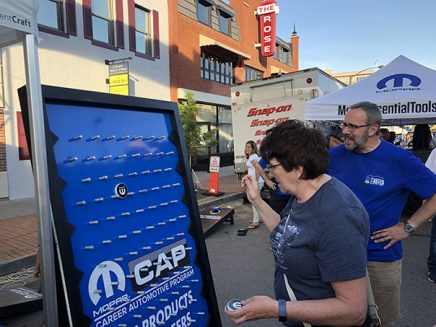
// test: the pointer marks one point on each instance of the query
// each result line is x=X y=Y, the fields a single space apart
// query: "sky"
x=351 y=35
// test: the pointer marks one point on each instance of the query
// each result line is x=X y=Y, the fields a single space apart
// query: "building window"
x=224 y=23
x=203 y=12
x=143 y=31
x=225 y=131
x=51 y=14
x=57 y=17
x=279 y=51
x=285 y=56
x=252 y=74
x=216 y=69
x=218 y=118
x=102 y=21
x=282 y=54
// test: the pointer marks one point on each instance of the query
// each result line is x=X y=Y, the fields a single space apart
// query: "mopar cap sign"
x=131 y=243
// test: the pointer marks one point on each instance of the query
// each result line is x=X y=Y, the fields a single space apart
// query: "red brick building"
x=212 y=45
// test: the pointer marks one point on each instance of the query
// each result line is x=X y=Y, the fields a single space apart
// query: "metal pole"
x=40 y=173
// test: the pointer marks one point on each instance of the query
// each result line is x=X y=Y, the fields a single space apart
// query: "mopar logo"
x=121 y=190
x=400 y=80
x=105 y=271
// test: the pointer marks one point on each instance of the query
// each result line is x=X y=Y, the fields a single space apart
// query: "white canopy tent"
x=18 y=23
x=404 y=90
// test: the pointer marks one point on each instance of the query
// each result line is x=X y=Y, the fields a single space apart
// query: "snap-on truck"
x=259 y=105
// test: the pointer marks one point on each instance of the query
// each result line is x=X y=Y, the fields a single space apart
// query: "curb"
x=15 y=265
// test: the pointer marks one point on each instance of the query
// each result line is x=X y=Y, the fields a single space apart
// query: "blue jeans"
x=431 y=261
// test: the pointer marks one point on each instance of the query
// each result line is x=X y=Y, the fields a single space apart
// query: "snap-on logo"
x=104 y=271
x=399 y=80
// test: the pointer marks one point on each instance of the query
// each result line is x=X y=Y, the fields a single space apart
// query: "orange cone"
x=213 y=183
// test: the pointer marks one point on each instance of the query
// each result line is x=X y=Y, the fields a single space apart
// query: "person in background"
x=421 y=137
x=384 y=134
x=431 y=261
x=251 y=153
x=392 y=137
x=336 y=136
x=381 y=175
x=433 y=141
x=318 y=241
x=421 y=148
x=278 y=199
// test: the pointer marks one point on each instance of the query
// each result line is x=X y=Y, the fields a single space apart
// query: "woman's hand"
x=251 y=187
x=270 y=183
x=254 y=308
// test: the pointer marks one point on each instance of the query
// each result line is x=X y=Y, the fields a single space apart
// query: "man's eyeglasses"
x=353 y=127
x=271 y=167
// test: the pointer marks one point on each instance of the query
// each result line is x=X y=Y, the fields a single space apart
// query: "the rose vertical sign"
x=267 y=15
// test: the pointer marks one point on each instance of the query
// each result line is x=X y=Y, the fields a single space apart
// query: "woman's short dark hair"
x=293 y=145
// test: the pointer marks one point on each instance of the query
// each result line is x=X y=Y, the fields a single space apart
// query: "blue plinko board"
x=125 y=219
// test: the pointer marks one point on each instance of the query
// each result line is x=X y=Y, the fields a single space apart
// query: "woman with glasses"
x=318 y=242
x=252 y=156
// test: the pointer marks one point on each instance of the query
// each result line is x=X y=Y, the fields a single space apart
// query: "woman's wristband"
x=282 y=311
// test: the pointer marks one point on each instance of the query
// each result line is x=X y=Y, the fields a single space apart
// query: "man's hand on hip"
x=391 y=235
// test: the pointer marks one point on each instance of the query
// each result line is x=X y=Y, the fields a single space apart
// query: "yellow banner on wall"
x=117 y=80
x=120 y=89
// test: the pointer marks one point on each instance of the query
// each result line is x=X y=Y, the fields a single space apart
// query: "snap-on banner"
x=125 y=214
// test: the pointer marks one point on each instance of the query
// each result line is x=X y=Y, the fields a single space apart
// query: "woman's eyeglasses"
x=271 y=167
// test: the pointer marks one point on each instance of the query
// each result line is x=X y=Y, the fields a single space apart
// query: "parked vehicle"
x=259 y=105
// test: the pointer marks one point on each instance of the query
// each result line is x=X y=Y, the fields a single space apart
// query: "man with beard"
x=381 y=175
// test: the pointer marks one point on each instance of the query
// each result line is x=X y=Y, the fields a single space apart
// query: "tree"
x=194 y=138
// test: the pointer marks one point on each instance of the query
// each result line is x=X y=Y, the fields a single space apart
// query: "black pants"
x=278 y=202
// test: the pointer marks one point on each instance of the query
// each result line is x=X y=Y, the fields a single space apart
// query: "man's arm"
x=424 y=213
x=397 y=233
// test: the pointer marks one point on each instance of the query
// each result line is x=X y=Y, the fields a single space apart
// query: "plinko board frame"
x=125 y=216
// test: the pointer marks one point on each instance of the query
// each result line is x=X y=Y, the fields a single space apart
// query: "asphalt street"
x=242 y=266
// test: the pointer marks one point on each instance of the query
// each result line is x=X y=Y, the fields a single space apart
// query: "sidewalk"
x=19 y=226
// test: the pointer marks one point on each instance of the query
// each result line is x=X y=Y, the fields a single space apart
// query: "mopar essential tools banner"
x=131 y=243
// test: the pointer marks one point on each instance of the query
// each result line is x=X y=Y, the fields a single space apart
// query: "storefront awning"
x=220 y=49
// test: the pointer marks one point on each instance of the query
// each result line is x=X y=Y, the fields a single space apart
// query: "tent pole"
x=40 y=172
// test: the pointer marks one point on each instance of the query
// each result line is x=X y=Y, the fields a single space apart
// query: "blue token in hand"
x=233 y=305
